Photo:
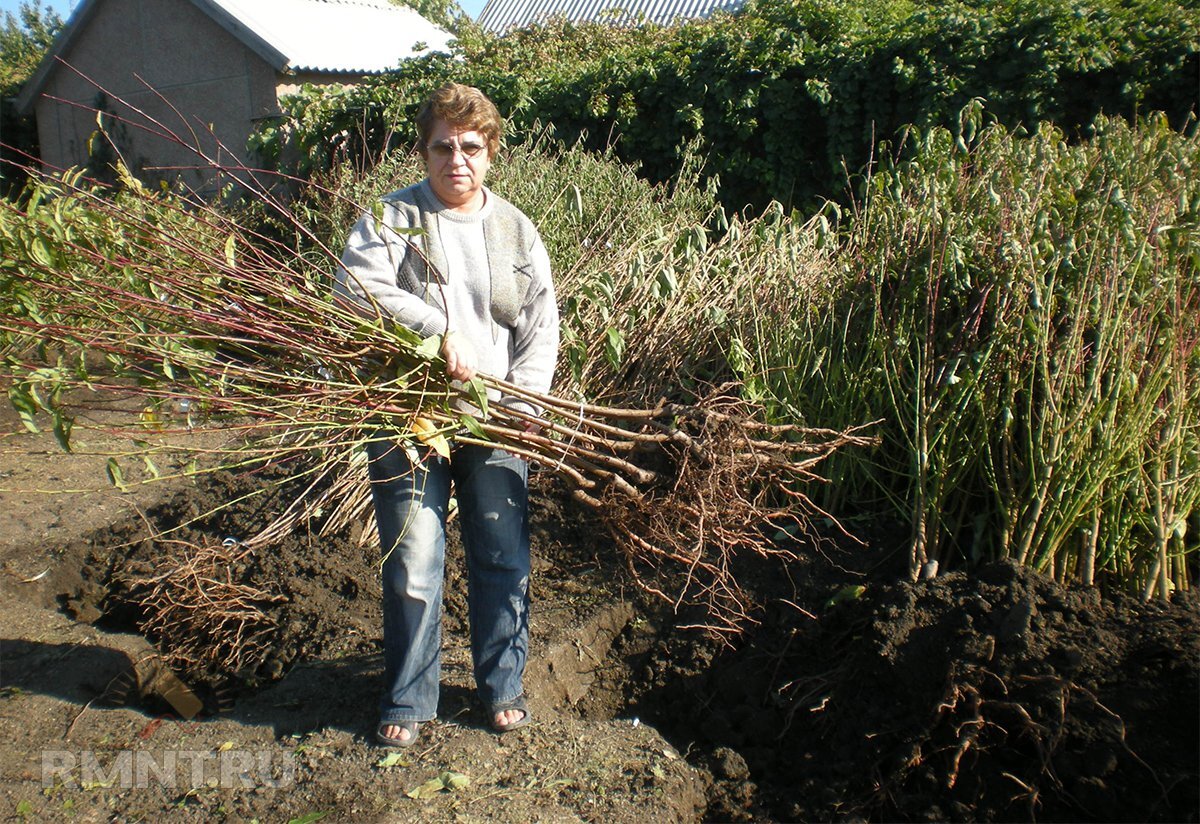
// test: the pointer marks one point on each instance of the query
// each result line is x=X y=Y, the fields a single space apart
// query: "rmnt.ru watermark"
x=190 y=769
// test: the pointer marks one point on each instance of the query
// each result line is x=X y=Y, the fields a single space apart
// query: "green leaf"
x=115 y=476
x=230 y=257
x=308 y=818
x=150 y=467
x=454 y=781
x=575 y=202
x=614 y=346
x=447 y=780
x=667 y=283
x=393 y=759
x=62 y=430
x=430 y=348
x=472 y=425
x=427 y=790
x=479 y=397
x=847 y=593
x=22 y=401
x=40 y=253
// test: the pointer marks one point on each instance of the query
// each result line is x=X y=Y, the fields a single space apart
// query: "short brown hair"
x=465 y=108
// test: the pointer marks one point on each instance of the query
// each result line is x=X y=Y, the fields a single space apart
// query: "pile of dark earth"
x=995 y=695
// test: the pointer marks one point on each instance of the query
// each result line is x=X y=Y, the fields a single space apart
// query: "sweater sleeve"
x=367 y=275
x=535 y=336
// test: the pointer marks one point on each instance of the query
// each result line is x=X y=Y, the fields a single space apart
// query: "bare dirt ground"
x=999 y=696
x=92 y=733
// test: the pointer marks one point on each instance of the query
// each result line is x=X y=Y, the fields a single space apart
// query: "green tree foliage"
x=789 y=99
x=445 y=13
x=24 y=40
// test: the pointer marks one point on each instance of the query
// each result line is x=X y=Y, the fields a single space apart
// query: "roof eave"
x=31 y=90
x=269 y=54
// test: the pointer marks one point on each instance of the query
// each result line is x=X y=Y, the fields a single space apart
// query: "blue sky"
x=64 y=7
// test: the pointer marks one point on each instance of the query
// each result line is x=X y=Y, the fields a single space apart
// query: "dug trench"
x=997 y=695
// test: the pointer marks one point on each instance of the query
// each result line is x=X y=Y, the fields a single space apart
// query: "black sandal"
x=413 y=727
x=517 y=703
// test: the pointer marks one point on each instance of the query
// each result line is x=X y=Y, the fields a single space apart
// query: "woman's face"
x=457 y=162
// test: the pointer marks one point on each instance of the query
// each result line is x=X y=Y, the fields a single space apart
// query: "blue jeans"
x=410 y=488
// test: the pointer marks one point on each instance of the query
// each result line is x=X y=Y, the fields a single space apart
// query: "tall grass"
x=1024 y=313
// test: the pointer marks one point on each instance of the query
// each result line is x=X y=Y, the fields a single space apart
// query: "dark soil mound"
x=992 y=696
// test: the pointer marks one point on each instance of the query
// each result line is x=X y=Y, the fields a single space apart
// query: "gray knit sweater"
x=485 y=275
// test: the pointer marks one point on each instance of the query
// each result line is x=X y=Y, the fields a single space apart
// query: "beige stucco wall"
x=200 y=69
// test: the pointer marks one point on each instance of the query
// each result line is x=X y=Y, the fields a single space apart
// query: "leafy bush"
x=24 y=40
x=786 y=100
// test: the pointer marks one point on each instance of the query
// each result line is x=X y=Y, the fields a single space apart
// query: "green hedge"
x=786 y=100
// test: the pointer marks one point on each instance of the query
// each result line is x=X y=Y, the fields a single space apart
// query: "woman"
x=482 y=281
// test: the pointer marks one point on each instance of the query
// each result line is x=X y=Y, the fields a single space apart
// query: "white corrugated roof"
x=502 y=15
x=360 y=36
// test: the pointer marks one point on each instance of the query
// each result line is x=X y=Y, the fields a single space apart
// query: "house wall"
x=200 y=69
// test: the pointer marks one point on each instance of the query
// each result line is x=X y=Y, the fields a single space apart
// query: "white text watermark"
x=188 y=769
